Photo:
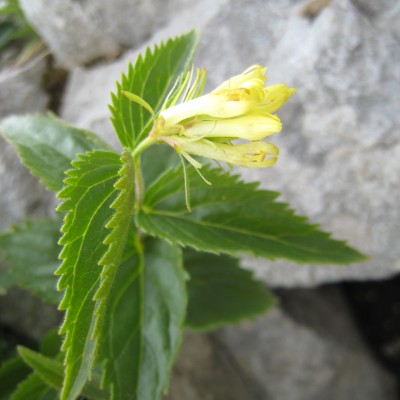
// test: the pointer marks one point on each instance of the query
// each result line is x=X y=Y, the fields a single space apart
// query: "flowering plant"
x=140 y=262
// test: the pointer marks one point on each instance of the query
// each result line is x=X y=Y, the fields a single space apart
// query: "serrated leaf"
x=220 y=292
x=46 y=145
x=12 y=372
x=31 y=250
x=235 y=217
x=144 y=322
x=152 y=78
x=33 y=388
x=99 y=190
x=51 y=372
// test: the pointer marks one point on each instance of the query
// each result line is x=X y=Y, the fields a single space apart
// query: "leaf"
x=156 y=160
x=235 y=217
x=46 y=145
x=7 y=281
x=145 y=322
x=12 y=372
x=31 y=250
x=99 y=190
x=33 y=388
x=221 y=292
x=152 y=78
x=51 y=372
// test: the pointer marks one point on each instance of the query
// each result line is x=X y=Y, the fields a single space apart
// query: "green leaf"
x=51 y=372
x=31 y=250
x=12 y=372
x=99 y=194
x=220 y=292
x=46 y=145
x=152 y=78
x=235 y=217
x=7 y=281
x=34 y=388
x=145 y=322
x=156 y=160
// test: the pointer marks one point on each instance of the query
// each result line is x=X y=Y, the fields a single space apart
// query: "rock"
x=374 y=8
x=339 y=161
x=340 y=151
x=81 y=32
x=203 y=372
x=308 y=349
x=20 y=88
x=26 y=315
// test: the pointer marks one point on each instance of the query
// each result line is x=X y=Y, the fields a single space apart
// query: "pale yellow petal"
x=251 y=126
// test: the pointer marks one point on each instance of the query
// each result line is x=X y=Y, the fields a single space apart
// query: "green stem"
x=139 y=182
x=143 y=145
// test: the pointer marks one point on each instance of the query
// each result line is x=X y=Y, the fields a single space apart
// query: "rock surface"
x=306 y=350
x=78 y=32
x=340 y=147
x=20 y=88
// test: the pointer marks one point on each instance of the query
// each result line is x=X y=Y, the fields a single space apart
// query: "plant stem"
x=139 y=182
x=143 y=145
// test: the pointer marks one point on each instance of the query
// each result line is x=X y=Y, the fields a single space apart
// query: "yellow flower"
x=207 y=126
x=240 y=108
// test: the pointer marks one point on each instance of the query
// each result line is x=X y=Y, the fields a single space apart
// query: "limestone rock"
x=308 y=349
x=78 y=32
x=26 y=315
x=20 y=88
x=340 y=147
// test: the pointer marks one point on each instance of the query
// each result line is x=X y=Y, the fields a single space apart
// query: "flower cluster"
x=240 y=108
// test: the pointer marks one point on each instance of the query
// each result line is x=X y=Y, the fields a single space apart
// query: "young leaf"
x=12 y=372
x=46 y=145
x=152 y=78
x=31 y=250
x=221 y=292
x=99 y=190
x=235 y=217
x=51 y=372
x=34 y=388
x=144 y=323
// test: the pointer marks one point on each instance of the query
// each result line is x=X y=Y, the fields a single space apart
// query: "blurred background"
x=336 y=332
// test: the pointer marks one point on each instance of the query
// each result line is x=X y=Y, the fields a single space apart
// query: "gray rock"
x=26 y=315
x=308 y=349
x=340 y=149
x=204 y=372
x=339 y=159
x=374 y=8
x=78 y=32
x=20 y=88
